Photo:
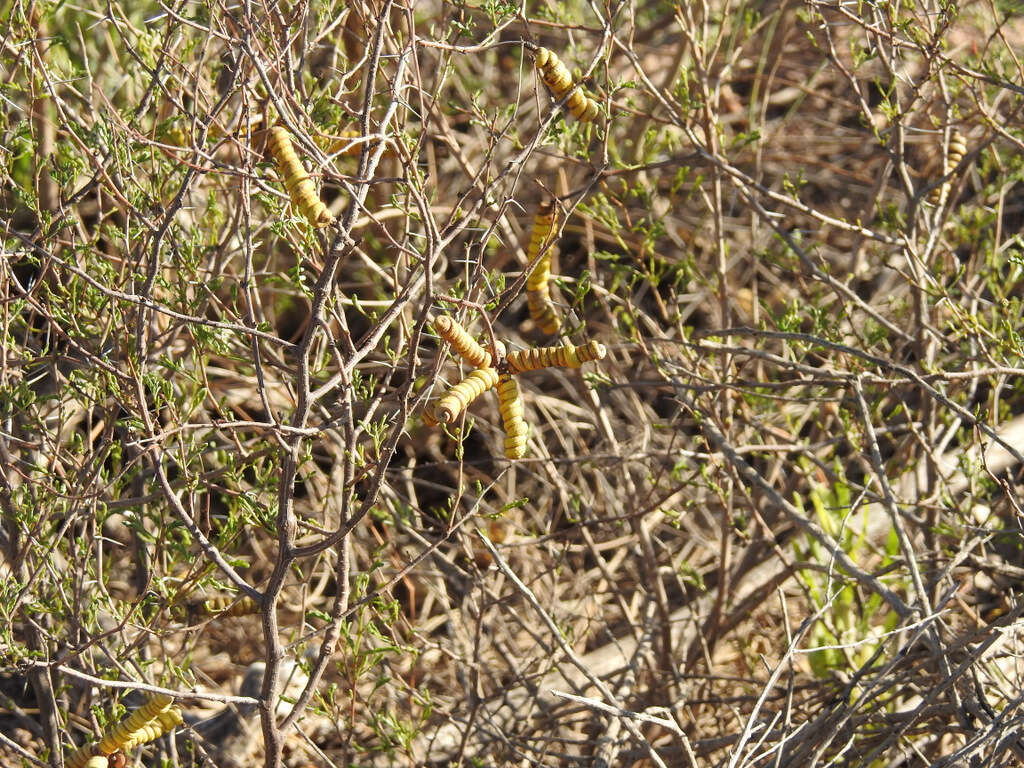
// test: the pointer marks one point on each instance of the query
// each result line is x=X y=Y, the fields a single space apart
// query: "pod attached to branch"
x=557 y=78
x=464 y=344
x=538 y=292
x=458 y=398
x=956 y=152
x=511 y=407
x=545 y=357
x=296 y=179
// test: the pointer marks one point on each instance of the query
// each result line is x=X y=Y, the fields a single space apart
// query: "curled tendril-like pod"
x=538 y=294
x=296 y=180
x=165 y=722
x=564 y=356
x=467 y=348
x=429 y=417
x=85 y=757
x=115 y=739
x=557 y=78
x=346 y=144
x=228 y=605
x=955 y=153
x=542 y=311
x=457 y=398
x=511 y=407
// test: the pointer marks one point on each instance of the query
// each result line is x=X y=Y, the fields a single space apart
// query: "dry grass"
x=778 y=525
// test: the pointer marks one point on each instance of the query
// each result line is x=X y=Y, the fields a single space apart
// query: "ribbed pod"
x=348 y=144
x=467 y=348
x=429 y=417
x=229 y=605
x=116 y=738
x=345 y=145
x=462 y=394
x=511 y=407
x=546 y=357
x=296 y=180
x=558 y=79
x=957 y=150
x=165 y=722
x=538 y=294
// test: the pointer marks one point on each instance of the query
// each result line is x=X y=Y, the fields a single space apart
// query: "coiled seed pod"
x=956 y=152
x=468 y=349
x=115 y=739
x=557 y=78
x=511 y=407
x=542 y=311
x=165 y=722
x=545 y=357
x=538 y=294
x=296 y=180
x=228 y=605
x=429 y=417
x=349 y=144
x=84 y=757
x=457 y=398
x=346 y=145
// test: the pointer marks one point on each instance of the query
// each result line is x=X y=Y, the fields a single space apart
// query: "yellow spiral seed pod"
x=429 y=417
x=83 y=757
x=957 y=150
x=468 y=349
x=345 y=145
x=348 y=144
x=955 y=153
x=557 y=78
x=511 y=407
x=115 y=738
x=96 y=761
x=228 y=605
x=564 y=357
x=296 y=180
x=543 y=312
x=165 y=722
x=457 y=398
x=591 y=351
x=538 y=294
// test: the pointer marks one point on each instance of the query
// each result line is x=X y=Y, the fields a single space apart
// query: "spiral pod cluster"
x=464 y=344
x=511 y=407
x=296 y=180
x=458 y=398
x=564 y=357
x=557 y=78
x=957 y=150
x=538 y=294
